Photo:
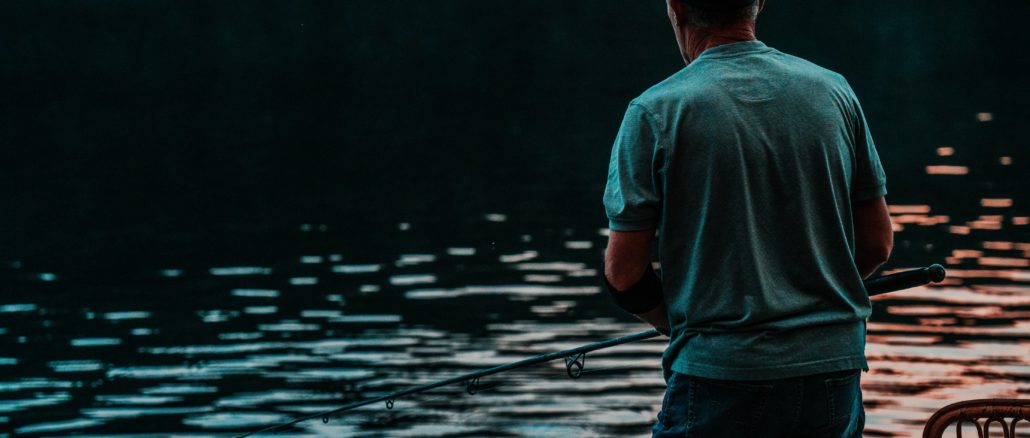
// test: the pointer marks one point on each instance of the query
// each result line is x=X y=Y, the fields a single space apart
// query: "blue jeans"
x=820 y=405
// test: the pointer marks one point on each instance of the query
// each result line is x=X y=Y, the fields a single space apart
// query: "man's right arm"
x=874 y=236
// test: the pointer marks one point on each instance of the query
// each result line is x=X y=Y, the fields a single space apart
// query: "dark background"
x=166 y=129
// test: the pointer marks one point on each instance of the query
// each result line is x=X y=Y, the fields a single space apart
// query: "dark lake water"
x=241 y=341
x=219 y=216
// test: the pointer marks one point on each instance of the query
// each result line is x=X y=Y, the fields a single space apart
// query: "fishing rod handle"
x=903 y=280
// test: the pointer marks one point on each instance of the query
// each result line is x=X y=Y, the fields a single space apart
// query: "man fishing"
x=758 y=173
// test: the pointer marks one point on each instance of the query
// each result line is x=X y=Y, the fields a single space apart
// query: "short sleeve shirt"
x=748 y=162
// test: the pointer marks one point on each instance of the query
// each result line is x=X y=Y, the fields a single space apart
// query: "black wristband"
x=642 y=297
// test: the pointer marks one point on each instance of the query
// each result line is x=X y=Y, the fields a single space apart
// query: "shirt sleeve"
x=632 y=198
x=869 y=180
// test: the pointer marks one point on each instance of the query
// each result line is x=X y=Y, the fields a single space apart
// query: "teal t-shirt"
x=748 y=162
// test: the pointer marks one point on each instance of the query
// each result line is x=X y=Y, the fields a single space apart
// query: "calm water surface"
x=239 y=342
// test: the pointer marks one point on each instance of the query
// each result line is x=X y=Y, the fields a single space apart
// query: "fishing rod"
x=575 y=358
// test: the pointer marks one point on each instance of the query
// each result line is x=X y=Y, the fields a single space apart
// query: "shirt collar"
x=733 y=49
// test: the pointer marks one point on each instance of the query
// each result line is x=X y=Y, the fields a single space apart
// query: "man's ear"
x=676 y=12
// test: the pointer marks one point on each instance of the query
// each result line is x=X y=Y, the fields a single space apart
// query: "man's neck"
x=698 y=42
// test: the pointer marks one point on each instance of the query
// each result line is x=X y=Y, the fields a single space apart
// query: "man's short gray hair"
x=703 y=16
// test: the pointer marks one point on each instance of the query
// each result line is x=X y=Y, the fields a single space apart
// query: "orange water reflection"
x=966 y=338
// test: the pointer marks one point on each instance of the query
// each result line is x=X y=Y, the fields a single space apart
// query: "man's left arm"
x=631 y=279
x=632 y=201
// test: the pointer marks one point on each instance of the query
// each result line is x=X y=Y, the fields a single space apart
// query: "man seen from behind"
x=757 y=171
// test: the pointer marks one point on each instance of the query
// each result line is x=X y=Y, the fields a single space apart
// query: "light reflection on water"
x=258 y=343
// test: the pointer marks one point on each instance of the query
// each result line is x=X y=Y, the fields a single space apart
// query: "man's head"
x=697 y=22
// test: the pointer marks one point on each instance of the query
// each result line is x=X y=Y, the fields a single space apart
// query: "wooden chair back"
x=983 y=414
